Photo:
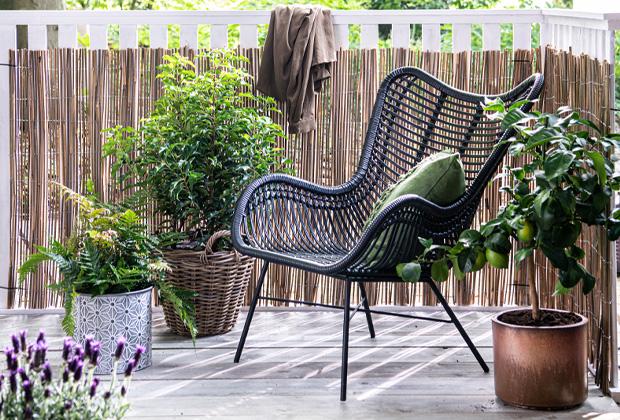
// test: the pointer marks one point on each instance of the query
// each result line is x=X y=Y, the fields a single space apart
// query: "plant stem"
x=531 y=282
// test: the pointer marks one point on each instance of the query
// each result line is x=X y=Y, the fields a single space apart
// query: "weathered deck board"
x=291 y=369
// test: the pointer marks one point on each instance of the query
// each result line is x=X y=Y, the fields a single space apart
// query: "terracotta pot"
x=540 y=367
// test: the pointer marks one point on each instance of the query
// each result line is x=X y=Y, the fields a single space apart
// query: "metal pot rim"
x=579 y=324
x=135 y=292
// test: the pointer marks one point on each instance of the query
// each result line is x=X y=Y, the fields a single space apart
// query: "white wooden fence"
x=583 y=32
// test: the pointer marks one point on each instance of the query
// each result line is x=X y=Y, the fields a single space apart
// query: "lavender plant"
x=30 y=390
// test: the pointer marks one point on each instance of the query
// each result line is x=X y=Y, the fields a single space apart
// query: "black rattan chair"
x=286 y=220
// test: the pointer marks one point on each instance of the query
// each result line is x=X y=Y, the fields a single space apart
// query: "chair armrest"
x=397 y=227
x=295 y=202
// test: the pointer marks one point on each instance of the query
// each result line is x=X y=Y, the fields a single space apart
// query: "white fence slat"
x=248 y=36
x=521 y=36
x=401 y=35
x=37 y=37
x=67 y=36
x=565 y=37
x=609 y=53
x=189 y=36
x=128 y=37
x=98 y=37
x=545 y=35
x=8 y=35
x=219 y=36
x=461 y=37
x=369 y=36
x=341 y=33
x=431 y=37
x=158 y=35
x=491 y=37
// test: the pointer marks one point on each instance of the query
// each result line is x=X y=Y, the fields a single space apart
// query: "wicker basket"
x=219 y=278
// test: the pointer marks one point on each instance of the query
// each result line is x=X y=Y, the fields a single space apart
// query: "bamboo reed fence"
x=63 y=98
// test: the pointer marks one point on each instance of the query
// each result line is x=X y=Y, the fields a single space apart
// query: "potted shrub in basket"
x=540 y=355
x=206 y=139
x=109 y=266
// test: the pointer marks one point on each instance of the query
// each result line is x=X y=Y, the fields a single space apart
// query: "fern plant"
x=108 y=251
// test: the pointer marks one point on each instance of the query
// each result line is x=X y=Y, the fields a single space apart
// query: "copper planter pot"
x=540 y=367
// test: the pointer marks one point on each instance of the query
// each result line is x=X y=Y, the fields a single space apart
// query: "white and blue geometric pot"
x=108 y=317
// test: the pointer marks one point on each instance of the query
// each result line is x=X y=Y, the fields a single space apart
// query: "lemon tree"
x=567 y=182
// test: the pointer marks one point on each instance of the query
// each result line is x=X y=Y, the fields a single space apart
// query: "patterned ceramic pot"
x=108 y=317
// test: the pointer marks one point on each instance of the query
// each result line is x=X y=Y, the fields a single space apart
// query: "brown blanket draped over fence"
x=63 y=98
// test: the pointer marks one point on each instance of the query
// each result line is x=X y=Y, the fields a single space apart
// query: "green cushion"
x=439 y=178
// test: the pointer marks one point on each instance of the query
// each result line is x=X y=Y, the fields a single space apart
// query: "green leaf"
x=68 y=322
x=426 y=243
x=540 y=202
x=411 y=272
x=470 y=236
x=558 y=163
x=458 y=274
x=598 y=162
x=560 y=290
x=440 y=270
x=467 y=259
x=588 y=282
x=557 y=256
x=512 y=117
x=498 y=242
x=540 y=137
x=522 y=254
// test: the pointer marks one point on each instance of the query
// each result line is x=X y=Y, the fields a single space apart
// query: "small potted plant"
x=109 y=266
x=540 y=355
x=206 y=139
x=29 y=389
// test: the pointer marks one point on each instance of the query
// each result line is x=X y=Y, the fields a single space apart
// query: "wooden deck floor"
x=291 y=367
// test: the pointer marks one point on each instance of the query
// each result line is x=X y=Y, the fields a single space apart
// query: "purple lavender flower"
x=88 y=345
x=78 y=371
x=14 y=364
x=41 y=337
x=15 y=342
x=129 y=368
x=46 y=372
x=40 y=351
x=93 y=387
x=123 y=391
x=68 y=405
x=139 y=351
x=73 y=364
x=47 y=393
x=13 y=381
x=120 y=347
x=107 y=395
x=29 y=352
x=22 y=374
x=66 y=348
x=9 y=355
x=95 y=350
x=22 y=339
x=65 y=375
x=78 y=351
x=27 y=387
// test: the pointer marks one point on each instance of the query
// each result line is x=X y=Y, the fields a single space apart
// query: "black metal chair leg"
x=248 y=319
x=345 y=341
x=371 y=327
x=458 y=325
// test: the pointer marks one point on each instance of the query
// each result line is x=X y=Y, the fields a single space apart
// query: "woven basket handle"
x=213 y=239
